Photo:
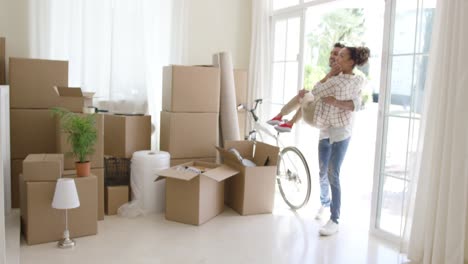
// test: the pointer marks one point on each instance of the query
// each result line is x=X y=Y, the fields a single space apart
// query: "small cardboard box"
x=73 y=99
x=43 y=167
x=115 y=197
x=253 y=190
x=32 y=82
x=16 y=170
x=191 y=89
x=194 y=198
x=2 y=61
x=31 y=131
x=40 y=223
x=189 y=135
x=99 y=173
x=241 y=83
x=175 y=162
x=63 y=146
x=124 y=135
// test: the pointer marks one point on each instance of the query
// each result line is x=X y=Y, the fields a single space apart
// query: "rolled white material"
x=147 y=196
x=229 y=126
x=89 y=110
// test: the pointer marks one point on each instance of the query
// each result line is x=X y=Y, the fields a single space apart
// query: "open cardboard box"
x=253 y=190
x=73 y=99
x=194 y=198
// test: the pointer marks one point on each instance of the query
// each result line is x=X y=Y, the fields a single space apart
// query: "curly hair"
x=359 y=55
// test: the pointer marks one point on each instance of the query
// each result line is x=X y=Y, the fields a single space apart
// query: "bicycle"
x=292 y=172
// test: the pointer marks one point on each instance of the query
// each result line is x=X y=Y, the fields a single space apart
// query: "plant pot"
x=83 y=169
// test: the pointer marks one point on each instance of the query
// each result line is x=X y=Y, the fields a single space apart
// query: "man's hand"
x=301 y=93
x=329 y=100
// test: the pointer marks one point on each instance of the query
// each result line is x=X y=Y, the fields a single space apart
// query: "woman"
x=339 y=92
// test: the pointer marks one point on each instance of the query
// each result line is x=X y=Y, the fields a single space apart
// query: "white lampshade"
x=65 y=196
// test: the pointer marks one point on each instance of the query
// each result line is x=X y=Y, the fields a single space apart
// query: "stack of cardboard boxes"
x=32 y=126
x=35 y=136
x=190 y=113
x=124 y=135
x=40 y=222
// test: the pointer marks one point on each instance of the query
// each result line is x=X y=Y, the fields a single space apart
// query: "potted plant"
x=82 y=135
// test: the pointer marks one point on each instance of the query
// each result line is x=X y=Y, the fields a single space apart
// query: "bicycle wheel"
x=293 y=177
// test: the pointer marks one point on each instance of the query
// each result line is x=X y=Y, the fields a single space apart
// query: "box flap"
x=68 y=91
x=177 y=174
x=34 y=157
x=244 y=147
x=226 y=155
x=265 y=154
x=220 y=173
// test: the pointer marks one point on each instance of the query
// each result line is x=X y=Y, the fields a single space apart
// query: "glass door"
x=408 y=29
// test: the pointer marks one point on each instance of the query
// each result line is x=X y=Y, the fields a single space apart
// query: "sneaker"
x=320 y=212
x=285 y=127
x=276 y=120
x=330 y=228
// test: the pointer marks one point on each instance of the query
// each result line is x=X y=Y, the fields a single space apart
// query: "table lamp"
x=66 y=197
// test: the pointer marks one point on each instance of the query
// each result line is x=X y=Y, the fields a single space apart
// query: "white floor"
x=282 y=237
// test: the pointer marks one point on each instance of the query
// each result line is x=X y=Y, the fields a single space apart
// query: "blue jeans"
x=330 y=159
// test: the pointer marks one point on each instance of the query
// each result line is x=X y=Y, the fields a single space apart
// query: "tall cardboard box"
x=191 y=89
x=192 y=197
x=241 y=83
x=115 y=197
x=189 y=135
x=63 y=146
x=40 y=223
x=124 y=135
x=32 y=82
x=2 y=61
x=32 y=131
x=99 y=173
x=253 y=190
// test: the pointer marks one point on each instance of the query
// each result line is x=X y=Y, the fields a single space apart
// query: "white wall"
x=218 y=25
x=14 y=25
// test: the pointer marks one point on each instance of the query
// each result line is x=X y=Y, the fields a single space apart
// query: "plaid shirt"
x=343 y=87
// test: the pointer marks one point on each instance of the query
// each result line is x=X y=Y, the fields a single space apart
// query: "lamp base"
x=66 y=243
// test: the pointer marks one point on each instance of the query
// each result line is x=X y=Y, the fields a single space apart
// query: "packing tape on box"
x=229 y=125
x=147 y=196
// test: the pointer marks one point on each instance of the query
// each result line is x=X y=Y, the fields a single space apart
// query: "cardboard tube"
x=229 y=126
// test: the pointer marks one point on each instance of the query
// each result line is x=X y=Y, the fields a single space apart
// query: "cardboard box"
x=191 y=89
x=194 y=198
x=2 y=61
x=241 y=82
x=189 y=135
x=41 y=223
x=116 y=196
x=253 y=190
x=99 y=173
x=73 y=99
x=32 y=82
x=175 y=162
x=63 y=146
x=31 y=131
x=16 y=170
x=43 y=167
x=124 y=135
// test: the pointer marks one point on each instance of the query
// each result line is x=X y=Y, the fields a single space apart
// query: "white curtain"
x=115 y=48
x=259 y=66
x=436 y=231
